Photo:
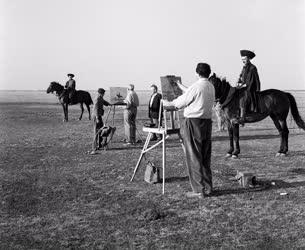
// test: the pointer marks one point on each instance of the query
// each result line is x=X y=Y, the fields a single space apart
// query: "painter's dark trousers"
x=96 y=126
x=198 y=145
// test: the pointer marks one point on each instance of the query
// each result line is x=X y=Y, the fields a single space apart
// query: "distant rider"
x=70 y=87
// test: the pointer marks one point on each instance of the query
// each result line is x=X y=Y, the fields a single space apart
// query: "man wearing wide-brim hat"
x=70 y=86
x=250 y=80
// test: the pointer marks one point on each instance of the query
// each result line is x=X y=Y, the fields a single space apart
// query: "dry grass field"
x=55 y=196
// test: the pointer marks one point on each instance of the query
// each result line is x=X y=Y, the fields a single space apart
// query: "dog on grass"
x=105 y=135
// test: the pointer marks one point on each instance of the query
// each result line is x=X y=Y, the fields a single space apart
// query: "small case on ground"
x=152 y=173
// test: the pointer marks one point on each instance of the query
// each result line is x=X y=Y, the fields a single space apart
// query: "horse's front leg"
x=236 y=151
x=82 y=109
x=66 y=105
x=65 y=109
x=230 y=132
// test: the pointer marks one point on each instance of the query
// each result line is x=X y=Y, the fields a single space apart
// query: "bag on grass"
x=152 y=173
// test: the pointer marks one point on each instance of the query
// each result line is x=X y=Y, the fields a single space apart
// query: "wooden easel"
x=165 y=132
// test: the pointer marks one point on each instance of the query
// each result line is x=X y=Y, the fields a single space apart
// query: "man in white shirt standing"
x=130 y=114
x=197 y=101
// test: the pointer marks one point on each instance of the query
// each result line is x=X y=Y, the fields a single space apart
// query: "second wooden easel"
x=165 y=131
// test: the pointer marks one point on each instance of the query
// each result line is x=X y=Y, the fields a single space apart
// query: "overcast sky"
x=116 y=42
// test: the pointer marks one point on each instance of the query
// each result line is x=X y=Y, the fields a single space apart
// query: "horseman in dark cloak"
x=248 y=79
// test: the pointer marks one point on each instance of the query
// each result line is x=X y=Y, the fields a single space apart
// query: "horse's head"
x=221 y=86
x=217 y=83
x=54 y=86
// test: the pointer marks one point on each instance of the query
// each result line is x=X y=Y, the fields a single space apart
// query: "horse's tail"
x=295 y=112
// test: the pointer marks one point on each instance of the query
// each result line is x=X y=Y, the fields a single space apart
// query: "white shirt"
x=132 y=99
x=152 y=99
x=198 y=100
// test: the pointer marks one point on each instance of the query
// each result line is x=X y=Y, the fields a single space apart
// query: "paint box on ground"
x=246 y=179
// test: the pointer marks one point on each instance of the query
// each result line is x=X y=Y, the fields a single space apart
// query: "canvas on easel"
x=170 y=91
x=169 y=88
x=117 y=94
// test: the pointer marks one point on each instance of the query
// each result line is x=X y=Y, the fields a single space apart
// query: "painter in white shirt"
x=197 y=100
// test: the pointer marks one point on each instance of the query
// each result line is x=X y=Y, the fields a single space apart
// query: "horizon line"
x=136 y=90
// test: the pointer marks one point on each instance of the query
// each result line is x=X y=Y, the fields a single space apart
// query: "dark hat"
x=247 y=53
x=154 y=86
x=101 y=91
x=72 y=75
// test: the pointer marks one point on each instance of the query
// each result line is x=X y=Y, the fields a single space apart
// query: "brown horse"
x=271 y=102
x=80 y=97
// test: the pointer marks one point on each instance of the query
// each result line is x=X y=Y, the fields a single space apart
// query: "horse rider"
x=248 y=79
x=70 y=87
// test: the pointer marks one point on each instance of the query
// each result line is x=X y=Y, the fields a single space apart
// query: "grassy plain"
x=55 y=196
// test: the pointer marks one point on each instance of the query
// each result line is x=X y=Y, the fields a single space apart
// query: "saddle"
x=70 y=96
x=235 y=93
x=255 y=105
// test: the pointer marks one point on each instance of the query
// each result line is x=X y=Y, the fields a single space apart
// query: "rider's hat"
x=247 y=53
x=72 y=75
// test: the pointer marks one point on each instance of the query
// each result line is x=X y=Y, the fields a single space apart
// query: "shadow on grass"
x=261 y=186
x=295 y=153
x=176 y=179
x=283 y=184
x=298 y=170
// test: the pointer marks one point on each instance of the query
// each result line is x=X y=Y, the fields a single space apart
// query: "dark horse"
x=80 y=97
x=271 y=102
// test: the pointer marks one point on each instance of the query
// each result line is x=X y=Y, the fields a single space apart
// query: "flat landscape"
x=53 y=195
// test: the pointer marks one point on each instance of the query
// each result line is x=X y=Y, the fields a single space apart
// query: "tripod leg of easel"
x=142 y=154
x=137 y=166
x=163 y=162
